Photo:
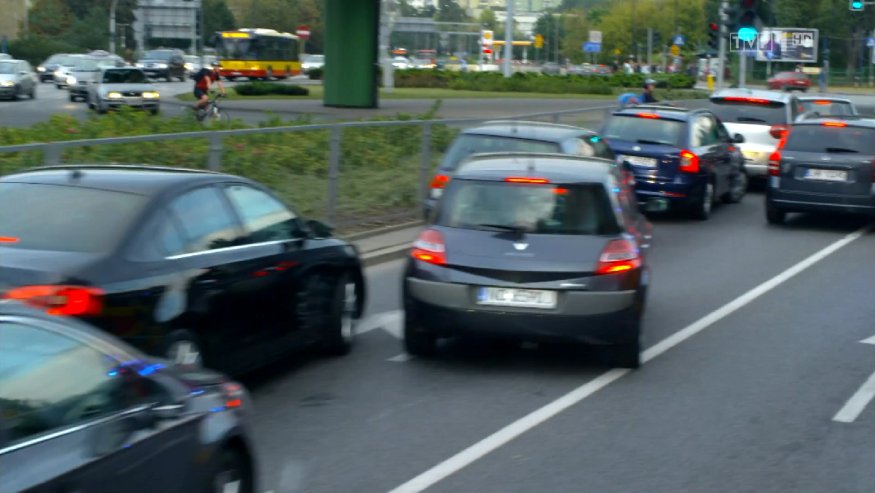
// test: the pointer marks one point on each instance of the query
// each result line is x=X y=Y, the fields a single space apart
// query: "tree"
x=49 y=18
x=451 y=11
x=217 y=17
x=488 y=20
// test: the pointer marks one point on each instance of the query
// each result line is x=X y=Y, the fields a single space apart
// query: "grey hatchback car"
x=17 y=79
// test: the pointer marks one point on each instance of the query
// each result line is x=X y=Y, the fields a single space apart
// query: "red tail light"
x=775 y=164
x=648 y=115
x=60 y=300
x=689 y=162
x=526 y=179
x=834 y=124
x=822 y=102
x=8 y=239
x=779 y=131
x=747 y=100
x=618 y=256
x=437 y=185
x=430 y=248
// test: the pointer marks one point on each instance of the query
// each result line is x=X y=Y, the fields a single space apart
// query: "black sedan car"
x=189 y=265
x=514 y=136
x=82 y=411
x=531 y=246
x=823 y=165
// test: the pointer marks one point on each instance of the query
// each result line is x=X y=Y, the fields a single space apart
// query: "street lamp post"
x=112 y=8
x=508 y=40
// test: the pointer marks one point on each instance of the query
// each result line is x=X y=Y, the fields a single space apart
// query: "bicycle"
x=213 y=112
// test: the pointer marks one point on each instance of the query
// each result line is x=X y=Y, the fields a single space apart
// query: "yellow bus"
x=258 y=54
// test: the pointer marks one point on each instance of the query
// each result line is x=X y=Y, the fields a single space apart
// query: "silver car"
x=123 y=86
x=17 y=79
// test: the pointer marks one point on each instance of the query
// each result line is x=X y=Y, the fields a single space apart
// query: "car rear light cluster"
x=747 y=100
x=618 y=256
x=526 y=179
x=689 y=162
x=430 y=248
x=233 y=394
x=438 y=183
x=60 y=300
x=779 y=131
x=775 y=157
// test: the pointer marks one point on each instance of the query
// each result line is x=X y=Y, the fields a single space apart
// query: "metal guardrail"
x=53 y=151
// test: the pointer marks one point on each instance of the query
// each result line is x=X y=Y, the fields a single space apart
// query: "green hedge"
x=265 y=88
x=535 y=82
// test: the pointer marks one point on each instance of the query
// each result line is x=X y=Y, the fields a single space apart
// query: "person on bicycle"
x=628 y=99
x=647 y=95
x=203 y=81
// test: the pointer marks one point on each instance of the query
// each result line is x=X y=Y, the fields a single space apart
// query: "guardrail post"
x=333 y=171
x=214 y=156
x=52 y=154
x=425 y=163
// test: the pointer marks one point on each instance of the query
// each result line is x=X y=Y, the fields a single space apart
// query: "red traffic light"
x=713 y=26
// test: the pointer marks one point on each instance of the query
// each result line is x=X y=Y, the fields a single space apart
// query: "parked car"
x=189 y=265
x=311 y=62
x=818 y=106
x=17 y=79
x=682 y=159
x=513 y=136
x=789 y=81
x=531 y=246
x=126 y=86
x=82 y=410
x=823 y=165
x=47 y=69
x=758 y=116
x=165 y=63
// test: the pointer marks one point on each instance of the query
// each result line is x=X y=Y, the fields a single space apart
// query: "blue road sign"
x=592 y=47
x=679 y=40
x=870 y=42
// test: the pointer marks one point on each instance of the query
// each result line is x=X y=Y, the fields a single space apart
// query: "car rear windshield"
x=757 y=113
x=63 y=218
x=833 y=140
x=827 y=107
x=531 y=208
x=645 y=130
x=469 y=144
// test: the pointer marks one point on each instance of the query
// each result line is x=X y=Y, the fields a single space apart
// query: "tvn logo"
x=771 y=43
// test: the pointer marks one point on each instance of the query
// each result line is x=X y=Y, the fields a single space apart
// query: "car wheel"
x=153 y=111
x=702 y=208
x=418 y=342
x=329 y=310
x=233 y=473
x=737 y=189
x=626 y=355
x=774 y=215
x=73 y=98
x=101 y=108
x=183 y=349
x=33 y=92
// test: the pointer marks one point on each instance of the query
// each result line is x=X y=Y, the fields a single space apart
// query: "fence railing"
x=408 y=206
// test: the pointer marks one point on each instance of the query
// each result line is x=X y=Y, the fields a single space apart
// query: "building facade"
x=168 y=19
x=13 y=22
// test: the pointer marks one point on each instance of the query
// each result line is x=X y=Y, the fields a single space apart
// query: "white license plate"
x=826 y=174
x=640 y=161
x=522 y=298
x=751 y=155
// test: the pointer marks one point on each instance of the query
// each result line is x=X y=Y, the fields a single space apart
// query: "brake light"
x=437 y=185
x=647 y=115
x=822 y=102
x=689 y=162
x=560 y=191
x=525 y=179
x=233 y=394
x=430 y=248
x=747 y=100
x=834 y=124
x=779 y=131
x=60 y=300
x=775 y=163
x=8 y=239
x=618 y=256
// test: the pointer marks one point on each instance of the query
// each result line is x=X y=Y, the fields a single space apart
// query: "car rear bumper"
x=820 y=202
x=448 y=309
x=676 y=194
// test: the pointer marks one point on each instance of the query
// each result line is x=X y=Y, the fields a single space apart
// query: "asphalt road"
x=753 y=349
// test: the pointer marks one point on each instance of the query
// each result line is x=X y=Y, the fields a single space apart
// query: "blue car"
x=682 y=159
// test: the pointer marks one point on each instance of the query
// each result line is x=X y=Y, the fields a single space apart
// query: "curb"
x=379 y=231
x=384 y=255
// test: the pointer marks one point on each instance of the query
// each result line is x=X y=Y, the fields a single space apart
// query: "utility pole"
x=721 y=50
x=649 y=47
x=386 y=12
x=508 y=40
x=112 y=8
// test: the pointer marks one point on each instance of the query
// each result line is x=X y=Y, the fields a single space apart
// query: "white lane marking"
x=857 y=403
x=401 y=358
x=870 y=340
x=491 y=443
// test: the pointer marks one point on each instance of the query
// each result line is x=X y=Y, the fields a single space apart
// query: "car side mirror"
x=738 y=139
x=319 y=229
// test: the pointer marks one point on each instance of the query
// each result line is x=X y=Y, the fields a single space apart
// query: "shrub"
x=315 y=73
x=535 y=82
x=265 y=88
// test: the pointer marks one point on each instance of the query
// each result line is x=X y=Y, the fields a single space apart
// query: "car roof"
x=825 y=98
x=558 y=168
x=850 y=120
x=136 y=179
x=664 y=111
x=775 y=96
x=548 y=132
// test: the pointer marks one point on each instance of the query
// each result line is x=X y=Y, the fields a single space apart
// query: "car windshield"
x=645 y=130
x=56 y=59
x=125 y=76
x=7 y=67
x=824 y=139
x=86 y=65
x=313 y=58
x=531 y=208
x=468 y=144
x=62 y=218
x=744 y=111
x=827 y=107
x=157 y=55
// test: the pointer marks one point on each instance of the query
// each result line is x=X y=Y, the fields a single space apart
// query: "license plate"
x=751 y=155
x=522 y=298
x=640 y=161
x=826 y=174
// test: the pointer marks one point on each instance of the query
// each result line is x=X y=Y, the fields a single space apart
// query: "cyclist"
x=647 y=95
x=628 y=99
x=203 y=81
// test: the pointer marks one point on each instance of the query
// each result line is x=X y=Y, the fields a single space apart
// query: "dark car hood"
x=21 y=267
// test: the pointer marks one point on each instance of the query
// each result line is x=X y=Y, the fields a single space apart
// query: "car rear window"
x=62 y=218
x=827 y=107
x=762 y=113
x=468 y=144
x=645 y=130
x=532 y=208
x=828 y=139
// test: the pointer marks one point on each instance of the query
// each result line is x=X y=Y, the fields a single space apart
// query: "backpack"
x=199 y=76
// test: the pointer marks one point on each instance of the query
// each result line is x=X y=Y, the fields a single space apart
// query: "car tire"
x=101 y=108
x=73 y=98
x=232 y=472
x=153 y=111
x=737 y=189
x=627 y=355
x=775 y=215
x=329 y=310
x=702 y=208
x=418 y=342
x=33 y=92
x=183 y=348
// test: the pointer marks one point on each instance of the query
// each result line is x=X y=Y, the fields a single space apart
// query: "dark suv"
x=163 y=64
x=681 y=158
x=823 y=165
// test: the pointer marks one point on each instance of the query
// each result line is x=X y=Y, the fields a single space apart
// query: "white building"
x=167 y=19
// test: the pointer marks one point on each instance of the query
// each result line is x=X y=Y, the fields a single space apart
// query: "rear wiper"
x=750 y=119
x=655 y=142
x=503 y=227
x=841 y=149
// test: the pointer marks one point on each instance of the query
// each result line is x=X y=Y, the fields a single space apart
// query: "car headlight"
x=114 y=95
x=162 y=65
x=7 y=83
x=71 y=80
x=40 y=69
x=150 y=95
x=58 y=73
x=139 y=65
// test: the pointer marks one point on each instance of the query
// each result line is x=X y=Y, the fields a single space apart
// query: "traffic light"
x=856 y=5
x=747 y=20
x=713 y=35
x=729 y=20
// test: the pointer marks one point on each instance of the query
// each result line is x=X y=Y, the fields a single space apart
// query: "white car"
x=311 y=62
x=401 y=63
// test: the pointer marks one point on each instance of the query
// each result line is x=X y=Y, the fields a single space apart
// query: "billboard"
x=787 y=44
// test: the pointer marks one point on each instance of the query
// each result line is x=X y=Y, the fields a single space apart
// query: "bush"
x=315 y=73
x=265 y=88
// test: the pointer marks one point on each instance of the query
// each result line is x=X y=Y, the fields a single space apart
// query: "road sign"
x=595 y=37
x=870 y=42
x=539 y=41
x=679 y=40
x=590 y=47
x=675 y=50
x=487 y=37
x=303 y=32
